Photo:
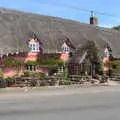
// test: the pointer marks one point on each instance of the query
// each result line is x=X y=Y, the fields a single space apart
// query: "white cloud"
x=108 y=25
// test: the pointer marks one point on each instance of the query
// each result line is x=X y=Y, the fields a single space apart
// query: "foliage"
x=50 y=64
x=115 y=66
x=34 y=74
x=50 y=61
x=43 y=61
x=94 y=56
x=32 y=63
x=12 y=62
x=11 y=79
x=93 y=51
x=116 y=27
x=99 y=67
x=1 y=74
x=66 y=72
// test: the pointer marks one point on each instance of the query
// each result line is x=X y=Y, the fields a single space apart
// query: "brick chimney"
x=93 y=19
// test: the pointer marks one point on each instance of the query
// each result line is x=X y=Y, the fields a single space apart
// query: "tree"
x=94 y=57
x=116 y=27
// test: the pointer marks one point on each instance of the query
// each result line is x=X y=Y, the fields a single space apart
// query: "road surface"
x=87 y=106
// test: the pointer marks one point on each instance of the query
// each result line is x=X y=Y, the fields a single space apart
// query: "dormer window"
x=34 y=45
x=67 y=46
x=66 y=49
x=108 y=52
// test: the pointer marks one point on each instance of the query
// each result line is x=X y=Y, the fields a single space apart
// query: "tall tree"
x=94 y=57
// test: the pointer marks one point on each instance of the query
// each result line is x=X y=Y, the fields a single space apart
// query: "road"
x=76 y=106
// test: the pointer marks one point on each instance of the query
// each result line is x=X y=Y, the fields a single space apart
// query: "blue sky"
x=64 y=9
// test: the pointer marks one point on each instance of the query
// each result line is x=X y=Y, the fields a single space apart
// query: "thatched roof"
x=16 y=27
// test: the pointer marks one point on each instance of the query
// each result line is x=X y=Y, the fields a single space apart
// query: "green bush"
x=115 y=66
x=116 y=27
x=12 y=62
x=66 y=72
x=1 y=75
x=32 y=63
x=45 y=61
x=50 y=61
x=93 y=54
x=34 y=74
x=11 y=79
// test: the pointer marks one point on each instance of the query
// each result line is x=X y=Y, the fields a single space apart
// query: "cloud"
x=108 y=25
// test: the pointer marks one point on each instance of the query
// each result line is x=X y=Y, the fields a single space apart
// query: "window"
x=60 y=69
x=34 y=47
x=66 y=49
x=31 y=67
x=37 y=47
x=106 y=52
x=30 y=47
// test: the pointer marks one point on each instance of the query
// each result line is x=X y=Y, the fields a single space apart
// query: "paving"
x=94 y=103
x=56 y=90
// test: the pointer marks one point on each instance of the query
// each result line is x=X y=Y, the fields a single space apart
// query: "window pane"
x=30 y=46
x=66 y=49
x=33 y=47
x=37 y=46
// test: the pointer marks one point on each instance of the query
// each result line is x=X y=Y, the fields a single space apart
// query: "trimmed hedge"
x=45 y=61
x=34 y=74
x=12 y=62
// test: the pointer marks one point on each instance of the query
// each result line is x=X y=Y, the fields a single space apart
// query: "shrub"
x=1 y=74
x=66 y=72
x=32 y=63
x=50 y=61
x=34 y=74
x=11 y=79
x=12 y=62
x=115 y=66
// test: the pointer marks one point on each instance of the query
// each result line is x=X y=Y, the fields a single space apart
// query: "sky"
x=78 y=10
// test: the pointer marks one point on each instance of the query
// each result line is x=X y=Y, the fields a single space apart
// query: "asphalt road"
x=88 y=106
